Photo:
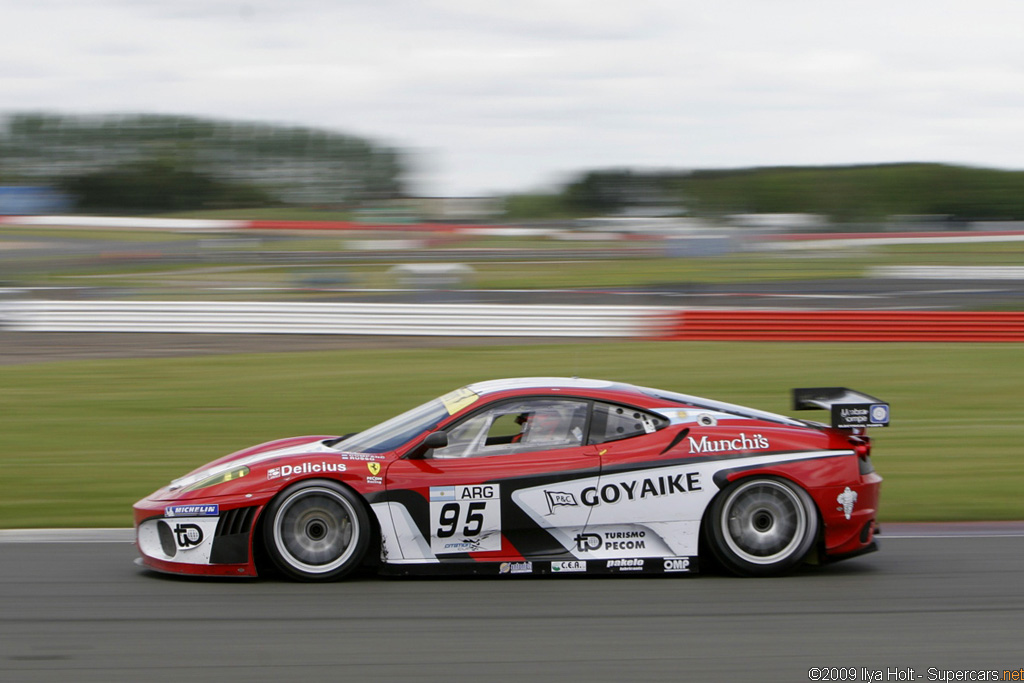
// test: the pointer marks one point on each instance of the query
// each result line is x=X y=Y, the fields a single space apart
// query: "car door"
x=506 y=487
x=648 y=501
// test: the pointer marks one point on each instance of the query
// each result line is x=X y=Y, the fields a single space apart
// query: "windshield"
x=392 y=433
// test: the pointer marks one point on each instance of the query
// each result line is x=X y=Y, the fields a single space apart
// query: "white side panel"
x=651 y=512
x=405 y=543
x=192 y=536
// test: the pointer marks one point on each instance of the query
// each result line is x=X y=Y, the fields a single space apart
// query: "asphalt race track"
x=932 y=603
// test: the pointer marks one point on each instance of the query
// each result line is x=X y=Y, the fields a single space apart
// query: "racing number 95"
x=465 y=519
x=451 y=513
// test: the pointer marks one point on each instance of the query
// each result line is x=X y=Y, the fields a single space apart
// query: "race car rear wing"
x=849 y=408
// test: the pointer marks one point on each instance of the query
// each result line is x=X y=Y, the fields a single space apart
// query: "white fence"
x=465 y=320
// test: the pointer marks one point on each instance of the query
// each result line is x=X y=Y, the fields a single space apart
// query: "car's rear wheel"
x=762 y=526
x=317 y=531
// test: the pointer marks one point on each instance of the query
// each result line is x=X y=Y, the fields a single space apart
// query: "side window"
x=613 y=422
x=519 y=426
x=506 y=428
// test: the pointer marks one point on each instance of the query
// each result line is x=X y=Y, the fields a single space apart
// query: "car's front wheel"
x=762 y=526
x=316 y=531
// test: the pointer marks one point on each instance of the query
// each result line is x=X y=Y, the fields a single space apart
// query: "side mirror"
x=432 y=441
x=436 y=440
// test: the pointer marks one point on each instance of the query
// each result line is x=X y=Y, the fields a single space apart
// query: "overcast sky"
x=500 y=96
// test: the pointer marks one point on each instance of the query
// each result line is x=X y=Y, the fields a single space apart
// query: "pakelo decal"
x=630 y=565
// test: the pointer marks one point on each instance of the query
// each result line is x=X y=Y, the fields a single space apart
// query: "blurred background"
x=400 y=197
x=425 y=175
x=149 y=206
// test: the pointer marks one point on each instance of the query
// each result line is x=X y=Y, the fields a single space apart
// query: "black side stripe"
x=675 y=440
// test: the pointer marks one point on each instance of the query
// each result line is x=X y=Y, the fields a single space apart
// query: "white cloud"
x=502 y=96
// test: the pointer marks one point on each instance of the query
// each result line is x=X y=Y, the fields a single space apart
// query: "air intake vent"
x=167 y=544
x=237 y=521
x=231 y=540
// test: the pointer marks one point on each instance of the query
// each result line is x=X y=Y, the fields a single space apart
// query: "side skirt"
x=623 y=567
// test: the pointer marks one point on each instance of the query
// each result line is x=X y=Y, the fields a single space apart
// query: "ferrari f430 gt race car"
x=535 y=476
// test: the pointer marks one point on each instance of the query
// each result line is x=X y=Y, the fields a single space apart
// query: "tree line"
x=153 y=163
x=167 y=163
x=839 y=193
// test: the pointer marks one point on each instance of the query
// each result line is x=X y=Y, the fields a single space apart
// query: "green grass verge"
x=81 y=441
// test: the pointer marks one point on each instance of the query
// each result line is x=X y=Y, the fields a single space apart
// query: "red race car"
x=535 y=476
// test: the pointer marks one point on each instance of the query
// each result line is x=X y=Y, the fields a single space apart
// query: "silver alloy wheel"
x=316 y=530
x=764 y=522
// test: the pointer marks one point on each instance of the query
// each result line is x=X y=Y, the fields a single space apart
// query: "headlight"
x=219 y=478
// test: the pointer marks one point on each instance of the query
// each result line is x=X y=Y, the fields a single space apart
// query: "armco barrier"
x=455 y=320
x=889 y=326
x=471 y=320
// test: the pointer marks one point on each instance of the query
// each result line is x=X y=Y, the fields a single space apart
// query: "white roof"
x=493 y=385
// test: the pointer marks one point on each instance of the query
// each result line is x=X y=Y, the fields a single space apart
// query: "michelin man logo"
x=847 y=499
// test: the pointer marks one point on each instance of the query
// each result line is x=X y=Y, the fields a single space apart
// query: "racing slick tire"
x=317 y=531
x=762 y=526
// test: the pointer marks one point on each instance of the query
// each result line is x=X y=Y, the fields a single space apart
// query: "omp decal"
x=676 y=564
x=305 y=468
x=204 y=510
x=846 y=501
x=465 y=519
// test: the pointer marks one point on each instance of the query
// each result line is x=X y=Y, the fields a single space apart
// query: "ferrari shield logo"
x=374 y=468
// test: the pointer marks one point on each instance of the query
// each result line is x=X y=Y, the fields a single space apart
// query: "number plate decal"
x=465 y=518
